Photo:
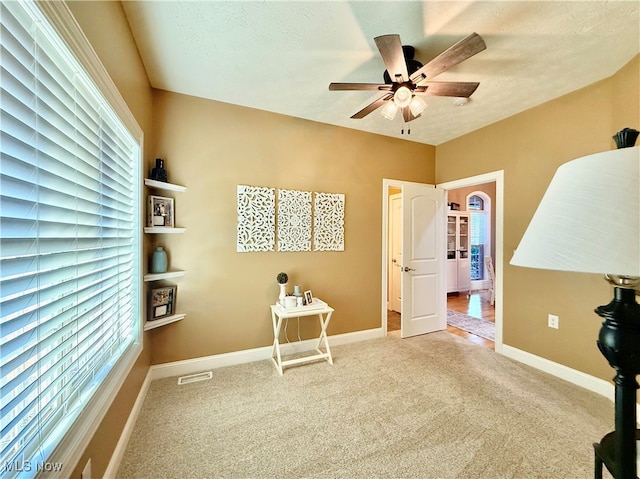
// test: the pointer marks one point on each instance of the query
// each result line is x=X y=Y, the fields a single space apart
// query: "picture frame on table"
x=308 y=297
x=160 y=211
x=162 y=301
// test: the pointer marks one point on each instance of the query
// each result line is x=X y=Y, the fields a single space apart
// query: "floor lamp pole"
x=619 y=342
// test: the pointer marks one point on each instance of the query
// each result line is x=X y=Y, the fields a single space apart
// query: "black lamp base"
x=619 y=342
x=626 y=138
x=605 y=451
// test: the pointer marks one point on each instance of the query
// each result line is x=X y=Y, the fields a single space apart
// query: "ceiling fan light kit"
x=402 y=97
x=389 y=111
x=417 y=106
x=407 y=79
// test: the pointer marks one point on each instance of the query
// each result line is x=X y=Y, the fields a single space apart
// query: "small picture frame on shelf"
x=162 y=301
x=308 y=297
x=160 y=211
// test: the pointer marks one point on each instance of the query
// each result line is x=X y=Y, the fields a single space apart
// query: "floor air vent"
x=192 y=378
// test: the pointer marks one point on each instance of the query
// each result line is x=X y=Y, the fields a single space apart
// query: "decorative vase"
x=159 y=173
x=296 y=291
x=159 y=261
x=283 y=293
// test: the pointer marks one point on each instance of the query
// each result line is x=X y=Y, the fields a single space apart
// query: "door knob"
x=406 y=269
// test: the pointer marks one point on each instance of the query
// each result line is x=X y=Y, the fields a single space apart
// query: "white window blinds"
x=69 y=240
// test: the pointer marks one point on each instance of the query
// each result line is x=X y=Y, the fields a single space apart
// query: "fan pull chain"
x=408 y=129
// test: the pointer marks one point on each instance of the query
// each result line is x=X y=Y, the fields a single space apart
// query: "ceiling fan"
x=406 y=79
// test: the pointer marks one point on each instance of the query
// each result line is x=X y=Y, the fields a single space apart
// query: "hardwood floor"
x=393 y=321
x=478 y=306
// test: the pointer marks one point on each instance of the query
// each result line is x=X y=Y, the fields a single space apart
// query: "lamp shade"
x=589 y=218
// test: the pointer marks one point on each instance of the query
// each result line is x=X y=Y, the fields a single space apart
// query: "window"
x=69 y=247
x=480 y=228
x=475 y=203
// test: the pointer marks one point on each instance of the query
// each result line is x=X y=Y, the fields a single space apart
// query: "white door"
x=424 y=299
x=395 y=271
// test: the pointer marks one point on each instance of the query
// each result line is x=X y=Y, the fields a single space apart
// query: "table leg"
x=275 y=352
x=324 y=322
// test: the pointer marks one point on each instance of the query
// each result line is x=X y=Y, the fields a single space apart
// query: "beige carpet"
x=433 y=406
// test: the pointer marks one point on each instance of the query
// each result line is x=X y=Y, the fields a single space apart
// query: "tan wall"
x=212 y=147
x=106 y=27
x=529 y=147
x=626 y=97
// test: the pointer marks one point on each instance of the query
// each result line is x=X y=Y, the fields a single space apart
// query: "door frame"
x=386 y=185
x=389 y=260
x=494 y=176
x=498 y=211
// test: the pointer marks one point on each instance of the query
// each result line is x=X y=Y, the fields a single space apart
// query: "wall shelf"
x=156 y=323
x=173 y=273
x=161 y=185
x=176 y=273
x=163 y=230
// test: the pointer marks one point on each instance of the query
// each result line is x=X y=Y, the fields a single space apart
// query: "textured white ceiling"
x=280 y=56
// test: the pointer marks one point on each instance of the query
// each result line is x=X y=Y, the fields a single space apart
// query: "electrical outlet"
x=86 y=472
x=554 y=321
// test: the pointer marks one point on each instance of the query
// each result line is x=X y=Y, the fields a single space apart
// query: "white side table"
x=318 y=308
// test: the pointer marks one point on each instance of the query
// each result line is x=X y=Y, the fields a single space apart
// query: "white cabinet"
x=458 y=262
x=172 y=273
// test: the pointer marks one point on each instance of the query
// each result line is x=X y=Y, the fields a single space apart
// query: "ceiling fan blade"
x=447 y=88
x=357 y=86
x=465 y=48
x=372 y=106
x=390 y=48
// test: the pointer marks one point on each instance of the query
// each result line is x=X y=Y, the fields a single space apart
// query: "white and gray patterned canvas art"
x=294 y=220
x=328 y=222
x=256 y=218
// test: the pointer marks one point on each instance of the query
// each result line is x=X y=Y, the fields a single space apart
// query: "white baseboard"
x=196 y=365
x=574 y=376
x=591 y=383
x=118 y=453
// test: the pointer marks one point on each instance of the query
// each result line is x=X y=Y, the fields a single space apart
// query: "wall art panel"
x=328 y=222
x=256 y=219
x=294 y=220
